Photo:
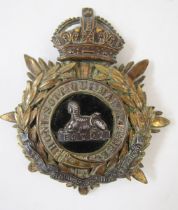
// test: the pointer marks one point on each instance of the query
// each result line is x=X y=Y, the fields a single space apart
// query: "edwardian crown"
x=87 y=38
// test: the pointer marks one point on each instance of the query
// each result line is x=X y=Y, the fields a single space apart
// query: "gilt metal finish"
x=82 y=120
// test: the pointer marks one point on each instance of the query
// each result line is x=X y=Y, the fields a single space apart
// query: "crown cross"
x=88 y=25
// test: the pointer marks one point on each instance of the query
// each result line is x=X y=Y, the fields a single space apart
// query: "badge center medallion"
x=83 y=117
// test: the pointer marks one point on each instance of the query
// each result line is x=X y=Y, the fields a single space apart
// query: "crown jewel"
x=87 y=38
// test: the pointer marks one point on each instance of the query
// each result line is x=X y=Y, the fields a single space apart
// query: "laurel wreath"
x=126 y=81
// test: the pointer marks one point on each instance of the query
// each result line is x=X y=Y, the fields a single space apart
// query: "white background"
x=150 y=30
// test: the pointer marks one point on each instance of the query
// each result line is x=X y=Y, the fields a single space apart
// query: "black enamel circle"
x=88 y=105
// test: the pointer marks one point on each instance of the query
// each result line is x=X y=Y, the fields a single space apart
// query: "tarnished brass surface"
x=86 y=73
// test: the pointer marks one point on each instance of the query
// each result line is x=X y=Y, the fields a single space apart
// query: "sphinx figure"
x=83 y=127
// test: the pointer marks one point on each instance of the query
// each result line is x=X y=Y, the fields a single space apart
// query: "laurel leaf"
x=116 y=73
x=100 y=77
x=137 y=120
x=136 y=163
x=50 y=64
x=31 y=76
x=33 y=114
x=102 y=69
x=32 y=95
x=67 y=67
x=38 y=80
x=38 y=98
x=117 y=77
x=121 y=68
x=32 y=65
x=44 y=67
x=48 y=84
x=160 y=122
x=127 y=67
x=41 y=151
x=33 y=134
x=137 y=101
x=118 y=86
x=139 y=176
x=155 y=130
x=112 y=162
x=146 y=145
x=141 y=94
x=134 y=120
x=131 y=137
x=127 y=176
x=127 y=101
x=19 y=116
x=101 y=169
x=139 y=80
x=158 y=112
x=28 y=87
x=26 y=117
x=138 y=69
x=10 y=117
x=19 y=110
x=51 y=74
x=32 y=167
x=66 y=75
x=83 y=190
x=26 y=94
x=141 y=165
